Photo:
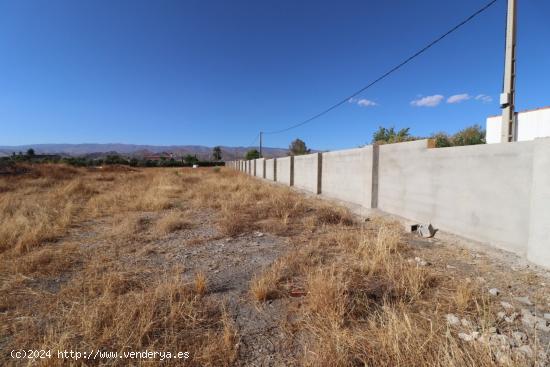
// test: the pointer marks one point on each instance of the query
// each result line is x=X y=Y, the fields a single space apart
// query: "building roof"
x=529 y=110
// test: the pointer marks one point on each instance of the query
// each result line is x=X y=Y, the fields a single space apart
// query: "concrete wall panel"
x=260 y=167
x=347 y=175
x=306 y=169
x=283 y=170
x=538 y=248
x=269 y=164
x=480 y=192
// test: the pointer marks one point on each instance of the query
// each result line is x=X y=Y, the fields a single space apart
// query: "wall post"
x=319 y=172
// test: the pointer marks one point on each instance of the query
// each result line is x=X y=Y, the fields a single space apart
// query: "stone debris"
x=466 y=323
x=506 y=305
x=525 y=300
x=547 y=316
x=469 y=337
x=534 y=322
x=519 y=337
x=525 y=349
x=452 y=319
x=501 y=315
x=494 y=292
x=426 y=231
x=420 y=261
x=510 y=319
x=258 y=234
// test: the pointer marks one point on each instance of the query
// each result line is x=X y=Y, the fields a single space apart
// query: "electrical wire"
x=388 y=73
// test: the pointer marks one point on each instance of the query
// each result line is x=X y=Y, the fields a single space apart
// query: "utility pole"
x=509 y=127
x=261 y=134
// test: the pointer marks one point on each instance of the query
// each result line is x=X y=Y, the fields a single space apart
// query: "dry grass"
x=364 y=302
x=200 y=284
x=172 y=222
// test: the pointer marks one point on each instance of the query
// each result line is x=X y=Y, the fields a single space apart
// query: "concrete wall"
x=306 y=172
x=463 y=190
x=284 y=170
x=493 y=193
x=347 y=175
x=260 y=167
x=531 y=125
x=269 y=165
x=538 y=247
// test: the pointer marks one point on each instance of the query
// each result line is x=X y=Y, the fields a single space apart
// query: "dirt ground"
x=265 y=277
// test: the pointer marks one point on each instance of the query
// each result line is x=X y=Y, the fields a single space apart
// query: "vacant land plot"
x=235 y=271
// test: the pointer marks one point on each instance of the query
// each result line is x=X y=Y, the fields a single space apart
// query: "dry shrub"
x=265 y=286
x=327 y=296
x=233 y=224
x=50 y=261
x=129 y=226
x=372 y=310
x=200 y=283
x=172 y=222
x=334 y=215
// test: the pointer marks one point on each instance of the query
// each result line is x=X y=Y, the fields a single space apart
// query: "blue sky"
x=217 y=72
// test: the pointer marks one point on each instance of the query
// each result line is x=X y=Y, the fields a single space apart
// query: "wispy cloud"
x=457 y=98
x=428 y=101
x=363 y=102
x=484 y=98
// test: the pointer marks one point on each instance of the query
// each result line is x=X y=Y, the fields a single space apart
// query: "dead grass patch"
x=172 y=222
x=362 y=302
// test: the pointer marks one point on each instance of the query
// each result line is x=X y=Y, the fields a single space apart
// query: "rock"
x=420 y=261
x=526 y=350
x=500 y=340
x=452 y=319
x=510 y=319
x=534 y=322
x=493 y=330
x=426 y=231
x=501 y=315
x=469 y=337
x=525 y=300
x=451 y=267
x=519 y=337
x=258 y=234
x=506 y=305
x=466 y=323
x=547 y=316
x=494 y=292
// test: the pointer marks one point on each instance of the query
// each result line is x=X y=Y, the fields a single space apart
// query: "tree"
x=217 y=153
x=252 y=154
x=298 y=147
x=469 y=136
x=30 y=152
x=390 y=136
x=191 y=159
x=442 y=140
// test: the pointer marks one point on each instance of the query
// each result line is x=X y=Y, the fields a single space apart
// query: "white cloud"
x=363 y=102
x=484 y=98
x=428 y=101
x=366 y=103
x=457 y=98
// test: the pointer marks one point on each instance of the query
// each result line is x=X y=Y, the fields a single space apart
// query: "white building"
x=531 y=124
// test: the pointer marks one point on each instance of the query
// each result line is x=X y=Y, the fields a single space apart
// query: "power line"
x=388 y=73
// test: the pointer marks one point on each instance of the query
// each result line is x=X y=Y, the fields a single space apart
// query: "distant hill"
x=97 y=150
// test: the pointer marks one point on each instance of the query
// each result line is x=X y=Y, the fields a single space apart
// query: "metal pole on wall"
x=508 y=130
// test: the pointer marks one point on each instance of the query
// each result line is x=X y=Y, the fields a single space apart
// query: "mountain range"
x=76 y=150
